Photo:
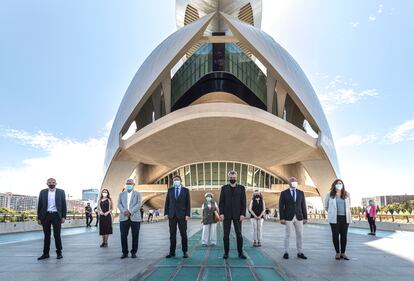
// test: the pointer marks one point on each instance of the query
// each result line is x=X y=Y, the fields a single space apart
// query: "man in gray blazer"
x=129 y=204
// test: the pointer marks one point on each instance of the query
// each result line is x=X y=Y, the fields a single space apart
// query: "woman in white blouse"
x=338 y=206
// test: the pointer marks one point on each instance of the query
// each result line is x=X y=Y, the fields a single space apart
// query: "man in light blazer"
x=129 y=204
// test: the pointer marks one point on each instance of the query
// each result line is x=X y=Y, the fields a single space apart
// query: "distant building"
x=18 y=202
x=75 y=205
x=387 y=199
x=90 y=195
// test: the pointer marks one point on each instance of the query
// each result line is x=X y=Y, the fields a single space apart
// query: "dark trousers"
x=97 y=220
x=372 y=225
x=339 y=229
x=237 y=224
x=52 y=219
x=124 y=227
x=182 y=226
x=88 y=220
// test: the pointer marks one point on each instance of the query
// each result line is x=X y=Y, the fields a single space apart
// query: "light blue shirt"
x=340 y=206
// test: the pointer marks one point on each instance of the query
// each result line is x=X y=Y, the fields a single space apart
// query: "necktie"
x=294 y=194
x=176 y=193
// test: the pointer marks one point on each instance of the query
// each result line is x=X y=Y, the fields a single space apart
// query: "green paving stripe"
x=207 y=263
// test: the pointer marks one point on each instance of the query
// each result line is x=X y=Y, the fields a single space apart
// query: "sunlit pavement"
x=386 y=257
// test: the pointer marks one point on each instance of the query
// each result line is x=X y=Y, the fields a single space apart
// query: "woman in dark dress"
x=105 y=216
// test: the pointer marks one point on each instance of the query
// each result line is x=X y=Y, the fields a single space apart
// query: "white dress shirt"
x=51 y=201
x=129 y=194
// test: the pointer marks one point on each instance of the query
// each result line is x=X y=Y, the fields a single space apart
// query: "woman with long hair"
x=338 y=206
x=105 y=208
x=257 y=209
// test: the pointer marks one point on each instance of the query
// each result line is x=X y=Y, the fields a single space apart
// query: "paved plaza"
x=385 y=257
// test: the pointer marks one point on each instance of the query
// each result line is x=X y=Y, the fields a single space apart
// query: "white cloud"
x=337 y=97
x=75 y=164
x=354 y=24
x=379 y=11
x=401 y=133
x=372 y=18
x=356 y=140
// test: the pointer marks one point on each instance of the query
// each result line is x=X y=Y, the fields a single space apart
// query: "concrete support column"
x=139 y=173
x=281 y=98
x=166 y=89
x=270 y=85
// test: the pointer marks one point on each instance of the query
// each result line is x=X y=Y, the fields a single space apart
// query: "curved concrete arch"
x=149 y=75
x=283 y=66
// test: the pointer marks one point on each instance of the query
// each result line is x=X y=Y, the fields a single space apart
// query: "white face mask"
x=339 y=186
x=104 y=194
x=294 y=184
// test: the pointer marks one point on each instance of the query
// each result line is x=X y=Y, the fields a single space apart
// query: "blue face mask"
x=177 y=184
x=129 y=187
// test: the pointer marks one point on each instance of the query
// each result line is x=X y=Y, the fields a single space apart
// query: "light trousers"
x=299 y=234
x=209 y=231
x=257 y=229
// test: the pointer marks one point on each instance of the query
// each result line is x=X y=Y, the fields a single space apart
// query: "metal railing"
x=380 y=217
x=25 y=217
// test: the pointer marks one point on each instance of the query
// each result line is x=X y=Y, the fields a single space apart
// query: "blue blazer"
x=180 y=207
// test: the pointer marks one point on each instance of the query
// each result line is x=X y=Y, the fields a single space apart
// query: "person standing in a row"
x=338 y=206
x=104 y=209
x=371 y=214
x=292 y=211
x=209 y=220
x=232 y=208
x=257 y=209
x=177 y=210
x=51 y=210
x=129 y=204
x=88 y=214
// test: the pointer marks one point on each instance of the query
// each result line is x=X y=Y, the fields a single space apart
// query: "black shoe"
x=102 y=245
x=43 y=257
x=134 y=256
x=170 y=255
x=242 y=256
x=124 y=256
x=286 y=256
x=345 y=257
x=185 y=255
x=225 y=256
x=302 y=256
x=59 y=256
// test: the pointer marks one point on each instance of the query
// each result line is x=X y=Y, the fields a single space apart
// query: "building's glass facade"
x=195 y=67
x=214 y=174
x=209 y=58
x=246 y=70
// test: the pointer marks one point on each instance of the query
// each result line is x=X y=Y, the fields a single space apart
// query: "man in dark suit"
x=177 y=209
x=51 y=210
x=292 y=211
x=232 y=207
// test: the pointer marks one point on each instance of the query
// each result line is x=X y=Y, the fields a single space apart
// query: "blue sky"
x=65 y=66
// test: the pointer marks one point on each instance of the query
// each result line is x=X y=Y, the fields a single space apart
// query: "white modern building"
x=220 y=94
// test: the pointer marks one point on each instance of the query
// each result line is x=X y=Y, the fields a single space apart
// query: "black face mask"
x=51 y=186
x=232 y=181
